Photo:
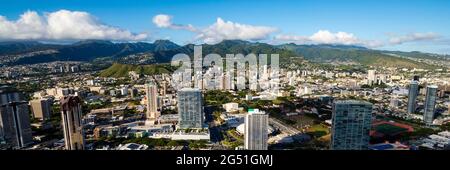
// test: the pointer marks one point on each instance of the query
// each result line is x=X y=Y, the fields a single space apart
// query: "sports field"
x=388 y=129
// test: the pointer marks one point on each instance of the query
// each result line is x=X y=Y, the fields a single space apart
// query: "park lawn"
x=318 y=130
x=318 y=127
x=301 y=120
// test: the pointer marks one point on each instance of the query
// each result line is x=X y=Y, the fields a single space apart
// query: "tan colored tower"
x=41 y=108
x=164 y=88
x=71 y=121
x=152 y=102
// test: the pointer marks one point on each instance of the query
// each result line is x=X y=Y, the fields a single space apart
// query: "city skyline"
x=386 y=25
x=224 y=83
x=281 y=76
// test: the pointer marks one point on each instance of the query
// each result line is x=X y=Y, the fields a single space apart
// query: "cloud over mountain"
x=414 y=37
x=227 y=30
x=165 y=21
x=218 y=31
x=327 y=37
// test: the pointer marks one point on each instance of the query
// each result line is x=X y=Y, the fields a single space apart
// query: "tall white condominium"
x=430 y=102
x=71 y=121
x=412 y=96
x=15 y=129
x=256 y=124
x=351 y=125
x=371 y=77
x=190 y=108
x=151 y=91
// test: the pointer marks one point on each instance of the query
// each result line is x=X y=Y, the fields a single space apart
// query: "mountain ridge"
x=161 y=51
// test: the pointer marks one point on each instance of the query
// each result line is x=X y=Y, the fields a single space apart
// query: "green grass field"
x=389 y=129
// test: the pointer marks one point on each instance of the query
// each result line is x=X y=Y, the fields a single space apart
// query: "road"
x=283 y=127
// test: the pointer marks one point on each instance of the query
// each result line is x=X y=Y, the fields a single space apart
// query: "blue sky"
x=406 y=25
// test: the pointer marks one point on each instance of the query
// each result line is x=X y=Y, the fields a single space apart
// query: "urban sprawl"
x=67 y=105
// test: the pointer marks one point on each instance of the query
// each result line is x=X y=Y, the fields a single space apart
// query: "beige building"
x=71 y=121
x=41 y=108
x=152 y=101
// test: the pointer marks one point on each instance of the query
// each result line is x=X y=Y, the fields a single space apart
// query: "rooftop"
x=352 y=102
x=432 y=86
x=190 y=89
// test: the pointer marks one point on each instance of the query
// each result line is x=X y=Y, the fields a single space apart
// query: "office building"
x=412 y=96
x=190 y=108
x=351 y=123
x=256 y=124
x=15 y=129
x=134 y=92
x=371 y=77
x=430 y=102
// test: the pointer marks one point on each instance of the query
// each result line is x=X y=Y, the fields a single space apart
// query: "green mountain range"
x=351 y=54
x=162 y=51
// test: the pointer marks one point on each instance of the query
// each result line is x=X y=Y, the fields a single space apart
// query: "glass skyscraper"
x=430 y=102
x=351 y=125
x=412 y=96
x=15 y=129
x=190 y=108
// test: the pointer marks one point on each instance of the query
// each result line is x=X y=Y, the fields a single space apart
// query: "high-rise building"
x=190 y=108
x=15 y=129
x=164 y=88
x=71 y=120
x=448 y=109
x=152 y=101
x=256 y=124
x=228 y=83
x=430 y=102
x=395 y=103
x=351 y=123
x=134 y=92
x=124 y=91
x=41 y=108
x=371 y=77
x=412 y=96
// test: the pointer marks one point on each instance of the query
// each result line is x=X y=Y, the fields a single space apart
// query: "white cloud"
x=327 y=37
x=226 y=30
x=61 y=25
x=218 y=31
x=413 y=37
x=165 y=21
x=162 y=20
